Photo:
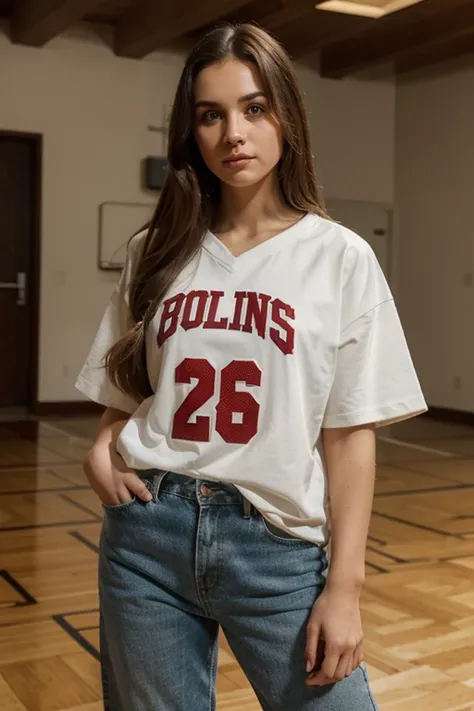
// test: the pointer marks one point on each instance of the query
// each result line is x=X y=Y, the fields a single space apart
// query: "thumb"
x=137 y=487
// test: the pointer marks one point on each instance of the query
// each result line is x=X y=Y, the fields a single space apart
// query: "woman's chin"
x=242 y=179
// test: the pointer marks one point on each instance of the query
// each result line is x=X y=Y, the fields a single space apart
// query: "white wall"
x=434 y=191
x=353 y=134
x=93 y=110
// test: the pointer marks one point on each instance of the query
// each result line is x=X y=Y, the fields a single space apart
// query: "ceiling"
x=350 y=35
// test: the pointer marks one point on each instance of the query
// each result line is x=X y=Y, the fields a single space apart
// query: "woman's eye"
x=210 y=116
x=255 y=109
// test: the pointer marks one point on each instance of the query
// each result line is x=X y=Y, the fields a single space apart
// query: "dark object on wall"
x=155 y=172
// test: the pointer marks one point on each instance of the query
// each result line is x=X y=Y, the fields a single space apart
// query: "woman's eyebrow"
x=246 y=97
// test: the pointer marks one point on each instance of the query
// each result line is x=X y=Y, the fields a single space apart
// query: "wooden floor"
x=418 y=600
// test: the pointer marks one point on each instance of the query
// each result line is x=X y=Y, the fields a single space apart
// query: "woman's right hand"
x=111 y=479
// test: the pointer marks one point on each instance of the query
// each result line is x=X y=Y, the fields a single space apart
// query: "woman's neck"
x=249 y=210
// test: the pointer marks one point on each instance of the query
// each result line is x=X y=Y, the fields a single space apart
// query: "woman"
x=251 y=347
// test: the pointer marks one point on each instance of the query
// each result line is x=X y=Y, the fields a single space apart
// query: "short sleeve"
x=116 y=321
x=374 y=378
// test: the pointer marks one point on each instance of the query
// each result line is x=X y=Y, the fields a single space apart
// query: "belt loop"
x=247 y=508
x=155 y=484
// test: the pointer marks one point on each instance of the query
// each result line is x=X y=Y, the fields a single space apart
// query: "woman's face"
x=232 y=119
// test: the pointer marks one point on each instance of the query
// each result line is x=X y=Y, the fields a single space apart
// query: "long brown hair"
x=190 y=196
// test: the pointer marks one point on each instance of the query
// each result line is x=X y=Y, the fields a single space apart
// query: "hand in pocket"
x=111 y=479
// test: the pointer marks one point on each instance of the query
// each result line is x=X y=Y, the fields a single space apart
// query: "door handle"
x=20 y=285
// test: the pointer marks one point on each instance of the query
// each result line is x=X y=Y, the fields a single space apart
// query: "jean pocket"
x=278 y=534
x=152 y=479
x=119 y=508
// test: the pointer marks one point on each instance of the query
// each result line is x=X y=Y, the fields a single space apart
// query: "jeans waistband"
x=202 y=491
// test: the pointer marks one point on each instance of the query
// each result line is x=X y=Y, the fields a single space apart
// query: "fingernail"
x=308 y=665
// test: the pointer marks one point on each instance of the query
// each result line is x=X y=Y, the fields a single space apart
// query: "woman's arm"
x=111 y=424
x=105 y=469
x=335 y=618
x=350 y=457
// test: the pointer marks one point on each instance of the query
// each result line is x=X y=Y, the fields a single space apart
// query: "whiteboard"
x=118 y=221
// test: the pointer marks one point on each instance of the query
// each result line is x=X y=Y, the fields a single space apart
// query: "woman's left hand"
x=335 y=618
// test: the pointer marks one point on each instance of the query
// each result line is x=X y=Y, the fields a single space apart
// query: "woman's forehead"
x=227 y=82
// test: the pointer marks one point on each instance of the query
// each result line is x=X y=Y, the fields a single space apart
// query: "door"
x=371 y=221
x=17 y=206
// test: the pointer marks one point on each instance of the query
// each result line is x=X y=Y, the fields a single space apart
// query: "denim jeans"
x=195 y=558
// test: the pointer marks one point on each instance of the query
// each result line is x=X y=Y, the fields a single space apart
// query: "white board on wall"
x=118 y=221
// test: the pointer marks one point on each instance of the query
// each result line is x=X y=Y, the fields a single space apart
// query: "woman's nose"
x=234 y=131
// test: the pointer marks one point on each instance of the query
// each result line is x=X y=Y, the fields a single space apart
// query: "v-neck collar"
x=223 y=254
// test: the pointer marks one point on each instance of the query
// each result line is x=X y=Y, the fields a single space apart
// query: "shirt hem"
x=93 y=392
x=380 y=416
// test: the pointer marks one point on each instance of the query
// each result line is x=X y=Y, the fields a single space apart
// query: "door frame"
x=35 y=140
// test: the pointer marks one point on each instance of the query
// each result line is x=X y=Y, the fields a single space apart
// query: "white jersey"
x=250 y=356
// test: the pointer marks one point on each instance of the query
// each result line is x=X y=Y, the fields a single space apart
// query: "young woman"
x=251 y=347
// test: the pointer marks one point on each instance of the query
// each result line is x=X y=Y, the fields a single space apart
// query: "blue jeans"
x=195 y=558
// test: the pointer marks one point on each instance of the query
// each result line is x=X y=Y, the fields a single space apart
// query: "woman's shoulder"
x=136 y=242
x=341 y=245
x=135 y=246
x=134 y=249
x=353 y=258
x=340 y=237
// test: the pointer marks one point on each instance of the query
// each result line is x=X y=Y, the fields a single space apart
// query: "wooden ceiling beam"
x=254 y=11
x=421 y=25
x=35 y=22
x=270 y=14
x=273 y=14
x=311 y=33
x=290 y=11
x=432 y=55
x=257 y=11
x=155 y=24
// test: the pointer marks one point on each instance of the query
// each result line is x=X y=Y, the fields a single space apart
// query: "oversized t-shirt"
x=249 y=357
